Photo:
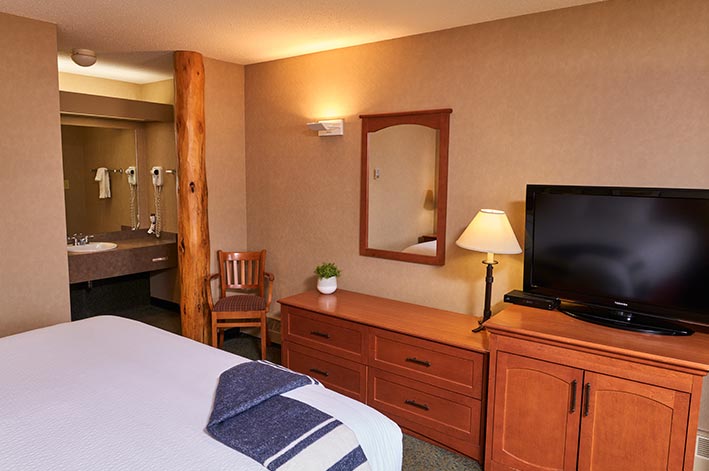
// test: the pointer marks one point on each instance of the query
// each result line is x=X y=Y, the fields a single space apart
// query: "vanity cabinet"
x=136 y=253
x=568 y=395
x=422 y=367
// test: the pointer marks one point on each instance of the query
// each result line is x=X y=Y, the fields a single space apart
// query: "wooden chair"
x=244 y=272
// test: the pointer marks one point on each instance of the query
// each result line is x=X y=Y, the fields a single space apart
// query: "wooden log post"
x=193 y=227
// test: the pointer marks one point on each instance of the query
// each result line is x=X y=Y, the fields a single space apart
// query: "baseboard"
x=274 y=328
x=164 y=304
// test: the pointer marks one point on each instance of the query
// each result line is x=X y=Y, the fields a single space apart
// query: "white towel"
x=104 y=182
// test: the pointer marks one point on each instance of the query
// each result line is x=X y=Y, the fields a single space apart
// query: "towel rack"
x=114 y=170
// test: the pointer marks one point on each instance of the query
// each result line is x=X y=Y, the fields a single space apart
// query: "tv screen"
x=632 y=257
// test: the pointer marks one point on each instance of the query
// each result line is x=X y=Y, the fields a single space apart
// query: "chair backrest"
x=241 y=270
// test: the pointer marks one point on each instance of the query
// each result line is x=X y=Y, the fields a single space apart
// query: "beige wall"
x=156 y=92
x=225 y=156
x=98 y=86
x=34 y=278
x=609 y=93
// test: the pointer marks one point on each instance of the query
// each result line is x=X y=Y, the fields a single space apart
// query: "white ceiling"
x=139 y=34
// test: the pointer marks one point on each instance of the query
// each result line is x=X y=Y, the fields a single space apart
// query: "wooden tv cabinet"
x=422 y=367
x=566 y=394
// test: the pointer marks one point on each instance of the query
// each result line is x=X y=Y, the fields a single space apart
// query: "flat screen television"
x=632 y=258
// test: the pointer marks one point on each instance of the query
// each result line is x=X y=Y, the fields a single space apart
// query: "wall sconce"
x=83 y=57
x=328 y=127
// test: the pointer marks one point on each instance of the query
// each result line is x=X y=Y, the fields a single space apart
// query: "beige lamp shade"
x=489 y=232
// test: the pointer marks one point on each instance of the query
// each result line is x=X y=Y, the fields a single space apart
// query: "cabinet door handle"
x=411 y=402
x=572 y=408
x=319 y=372
x=320 y=334
x=587 y=399
x=418 y=362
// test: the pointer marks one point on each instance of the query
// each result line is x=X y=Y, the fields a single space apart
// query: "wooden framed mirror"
x=404 y=186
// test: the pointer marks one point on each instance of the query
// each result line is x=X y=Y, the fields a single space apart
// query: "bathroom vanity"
x=135 y=253
x=119 y=279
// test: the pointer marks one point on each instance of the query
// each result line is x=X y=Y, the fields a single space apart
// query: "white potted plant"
x=327 y=277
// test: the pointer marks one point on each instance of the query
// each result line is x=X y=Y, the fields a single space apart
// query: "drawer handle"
x=572 y=408
x=587 y=398
x=418 y=362
x=320 y=334
x=416 y=404
x=160 y=259
x=320 y=372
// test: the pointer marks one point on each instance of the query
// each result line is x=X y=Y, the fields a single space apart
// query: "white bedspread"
x=424 y=248
x=108 y=393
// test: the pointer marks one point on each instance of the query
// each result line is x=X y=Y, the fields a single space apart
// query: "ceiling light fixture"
x=83 y=57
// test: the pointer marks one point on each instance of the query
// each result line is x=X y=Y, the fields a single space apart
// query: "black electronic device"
x=531 y=300
x=631 y=258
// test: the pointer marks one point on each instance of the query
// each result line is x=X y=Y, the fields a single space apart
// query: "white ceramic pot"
x=327 y=285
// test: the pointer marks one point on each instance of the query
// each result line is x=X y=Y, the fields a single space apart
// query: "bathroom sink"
x=91 y=247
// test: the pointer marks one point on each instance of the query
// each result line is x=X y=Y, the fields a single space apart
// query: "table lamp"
x=490 y=232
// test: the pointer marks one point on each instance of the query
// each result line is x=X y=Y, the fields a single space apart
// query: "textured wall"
x=226 y=174
x=613 y=93
x=34 y=276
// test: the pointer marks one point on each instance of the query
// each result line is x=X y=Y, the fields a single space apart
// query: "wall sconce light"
x=328 y=127
x=83 y=57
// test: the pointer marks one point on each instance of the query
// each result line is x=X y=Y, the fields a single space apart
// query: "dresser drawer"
x=444 y=366
x=344 y=376
x=324 y=333
x=451 y=419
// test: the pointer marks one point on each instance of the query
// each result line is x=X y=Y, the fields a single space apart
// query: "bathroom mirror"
x=404 y=183
x=88 y=144
x=116 y=133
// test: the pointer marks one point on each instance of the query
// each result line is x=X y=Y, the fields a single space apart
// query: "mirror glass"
x=85 y=150
x=404 y=186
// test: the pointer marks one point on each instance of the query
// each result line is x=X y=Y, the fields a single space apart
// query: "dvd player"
x=531 y=300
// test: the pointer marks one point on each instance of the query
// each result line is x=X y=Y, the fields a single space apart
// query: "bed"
x=423 y=248
x=108 y=393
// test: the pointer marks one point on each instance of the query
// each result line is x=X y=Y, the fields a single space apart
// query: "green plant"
x=327 y=270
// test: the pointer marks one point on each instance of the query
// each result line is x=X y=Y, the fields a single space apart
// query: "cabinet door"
x=536 y=414
x=631 y=426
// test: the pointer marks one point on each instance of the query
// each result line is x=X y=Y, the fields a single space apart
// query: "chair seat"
x=238 y=303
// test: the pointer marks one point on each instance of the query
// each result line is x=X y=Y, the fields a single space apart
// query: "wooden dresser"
x=566 y=395
x=422 y=367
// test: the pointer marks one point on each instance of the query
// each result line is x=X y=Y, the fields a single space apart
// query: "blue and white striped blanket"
x=251 y=416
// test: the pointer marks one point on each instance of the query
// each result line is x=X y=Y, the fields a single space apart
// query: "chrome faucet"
x=78 y=239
